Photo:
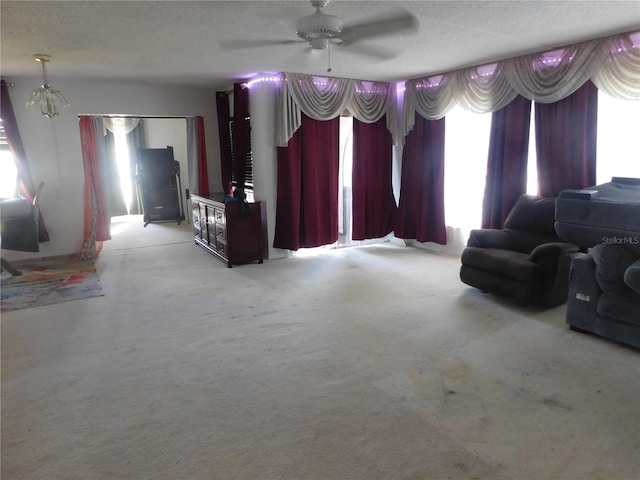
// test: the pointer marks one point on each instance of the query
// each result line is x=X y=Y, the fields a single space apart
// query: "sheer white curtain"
x=121 y=127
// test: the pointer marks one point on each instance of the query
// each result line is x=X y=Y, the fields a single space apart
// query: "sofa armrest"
x=632 y=276
x=490 y=238
x=553 y=249
x=584 y=291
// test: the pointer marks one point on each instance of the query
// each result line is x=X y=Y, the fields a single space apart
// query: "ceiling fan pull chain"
x=329 y=56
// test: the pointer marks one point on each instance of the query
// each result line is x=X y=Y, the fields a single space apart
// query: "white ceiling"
x=179 y=41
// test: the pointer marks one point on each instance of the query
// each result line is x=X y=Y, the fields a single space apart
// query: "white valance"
x=120 y=124
x=616 y=69
x=324 y=98
x=612 y=63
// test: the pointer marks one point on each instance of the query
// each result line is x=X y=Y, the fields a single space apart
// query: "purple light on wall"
x=431 y=82
x=262 y=79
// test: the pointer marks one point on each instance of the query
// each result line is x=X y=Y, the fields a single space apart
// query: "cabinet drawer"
x=221 y=231
x=212 y=234
x=219 y=216
x=221 y=247
x=195 y=219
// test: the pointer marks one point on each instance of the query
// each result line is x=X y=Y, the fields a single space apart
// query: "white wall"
x=265 y=159
x=53 y=145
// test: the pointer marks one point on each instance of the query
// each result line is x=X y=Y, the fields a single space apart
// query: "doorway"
x=158 y=132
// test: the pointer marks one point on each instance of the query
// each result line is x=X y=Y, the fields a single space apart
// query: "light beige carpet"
x=364 y=363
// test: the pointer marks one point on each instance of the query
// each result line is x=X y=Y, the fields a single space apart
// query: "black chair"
x=525 y=261
x=19 y=226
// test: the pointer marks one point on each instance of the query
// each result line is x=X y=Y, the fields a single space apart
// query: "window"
x=8 y=170
x=467 y=144
x=465 y=152
x=618 y=143
x=246 y=157
x=344 y=184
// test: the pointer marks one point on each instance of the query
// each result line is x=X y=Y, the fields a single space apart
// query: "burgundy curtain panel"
x=307 y=191
x=20 y=157
x=373 y=203
x=566 y=133
x=222 y=105
x=507 y=161
x=421 y=206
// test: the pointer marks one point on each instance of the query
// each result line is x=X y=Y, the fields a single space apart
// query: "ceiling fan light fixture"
x=319 y=26
x=48 y=98
x=319 y=43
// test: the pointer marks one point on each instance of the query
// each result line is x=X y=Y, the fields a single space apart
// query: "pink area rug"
x=48 y=282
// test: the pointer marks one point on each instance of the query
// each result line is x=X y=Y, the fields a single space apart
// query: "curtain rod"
x=113 y=115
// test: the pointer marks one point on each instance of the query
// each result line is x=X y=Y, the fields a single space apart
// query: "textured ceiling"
x=179 y=41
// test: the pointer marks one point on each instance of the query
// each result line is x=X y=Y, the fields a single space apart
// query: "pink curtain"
x=566 y=133
x=421 y=206
x=96 y=217
x=507 y=162
x=203 y=173
x=307 y=191
x=27 y=188
x=374 y=206
x=226 y=164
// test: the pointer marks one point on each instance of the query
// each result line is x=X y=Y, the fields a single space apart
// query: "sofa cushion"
x=611 y=263
x=525 y=241
x=632 y=276
x=505 y=263
x=625 y=308
x=534 y=214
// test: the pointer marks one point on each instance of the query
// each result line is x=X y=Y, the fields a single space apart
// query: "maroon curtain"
x=307 y=192
x=507 y=162
x=222 y=105
x=373 y=203
x=19 y=156
x=239 y=147
x=421 y=206
x=203 y=171
x=566 y=141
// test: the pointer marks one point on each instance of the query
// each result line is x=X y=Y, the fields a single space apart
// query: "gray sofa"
x=604 y=283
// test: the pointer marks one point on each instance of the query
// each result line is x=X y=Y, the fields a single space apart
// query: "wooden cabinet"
x=230 y=231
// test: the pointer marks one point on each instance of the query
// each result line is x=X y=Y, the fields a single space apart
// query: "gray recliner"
x=525 y=261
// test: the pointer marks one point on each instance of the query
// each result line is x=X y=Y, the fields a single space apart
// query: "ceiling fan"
x=321 y=30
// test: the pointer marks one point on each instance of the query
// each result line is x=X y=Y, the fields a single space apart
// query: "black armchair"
x=525 y=261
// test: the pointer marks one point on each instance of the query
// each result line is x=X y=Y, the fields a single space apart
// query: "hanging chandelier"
x=46 y=96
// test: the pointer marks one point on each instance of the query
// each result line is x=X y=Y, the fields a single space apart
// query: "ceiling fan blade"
x=402 y=21
x=255 y=43
x=374 y=53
